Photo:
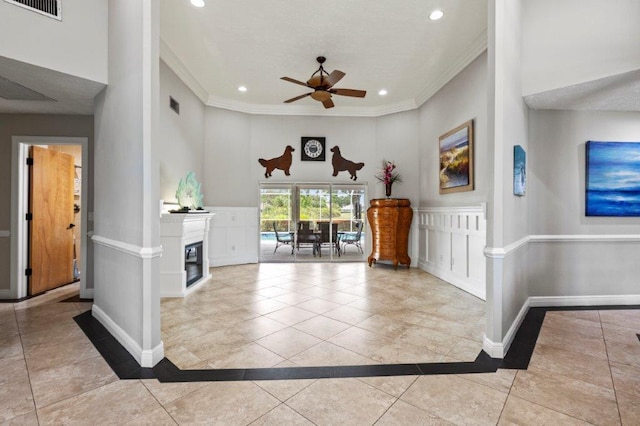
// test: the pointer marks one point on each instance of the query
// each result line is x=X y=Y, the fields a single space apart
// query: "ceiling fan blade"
x=293 y=80
x=297 y=97
x=328 y=103
x=349 y=92
x=334 y=77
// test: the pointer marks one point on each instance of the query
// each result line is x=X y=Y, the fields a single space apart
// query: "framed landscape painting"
x=519 y=171
x=456 y=159
x=613 y=179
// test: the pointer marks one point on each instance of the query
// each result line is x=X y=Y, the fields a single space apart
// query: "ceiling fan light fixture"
x=198 y=3
x=436 y=15
x=315 y=81
x=382 y=92
x=321 y=95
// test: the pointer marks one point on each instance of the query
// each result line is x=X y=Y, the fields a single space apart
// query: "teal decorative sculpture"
x=188 y=193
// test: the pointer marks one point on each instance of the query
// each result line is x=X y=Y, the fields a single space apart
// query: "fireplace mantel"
x=178 y=230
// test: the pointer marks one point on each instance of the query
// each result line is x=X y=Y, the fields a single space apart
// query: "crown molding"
x=337 y=111
x=474 y=50
x=176 y=65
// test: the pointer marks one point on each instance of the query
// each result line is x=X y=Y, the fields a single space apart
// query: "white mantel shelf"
x=178 y=230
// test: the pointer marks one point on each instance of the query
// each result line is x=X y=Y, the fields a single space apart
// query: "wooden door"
x=50 y=229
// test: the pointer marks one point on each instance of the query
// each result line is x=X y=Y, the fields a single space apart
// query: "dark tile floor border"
x=126 y=367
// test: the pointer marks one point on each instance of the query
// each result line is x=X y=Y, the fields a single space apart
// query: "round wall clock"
x=313 y=148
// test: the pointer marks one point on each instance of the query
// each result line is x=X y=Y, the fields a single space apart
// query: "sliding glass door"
x=277 y=223
x=349 y=206
x=312 y=222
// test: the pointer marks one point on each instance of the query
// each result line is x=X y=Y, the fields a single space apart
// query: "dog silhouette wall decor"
x=341 y=164
x=283 y=162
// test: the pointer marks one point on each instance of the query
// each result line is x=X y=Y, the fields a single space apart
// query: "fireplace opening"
x=193 y=262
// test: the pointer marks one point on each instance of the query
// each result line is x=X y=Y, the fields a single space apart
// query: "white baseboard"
x=5 y=294
x=495 y=350
x=151 y=357
x=454 y=279
x=499 y=350
x=604 y=300
x=515 y=326
x=226 y=261
x=144 y=358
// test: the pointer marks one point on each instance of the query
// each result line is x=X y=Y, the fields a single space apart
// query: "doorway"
x=312 y=222
x=74 y=233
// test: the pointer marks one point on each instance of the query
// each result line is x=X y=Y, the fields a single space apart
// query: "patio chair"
x=282 y=239
x=307 y=237
x=324 y=236
x=353 y=238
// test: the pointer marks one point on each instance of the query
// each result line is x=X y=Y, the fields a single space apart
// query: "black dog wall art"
x=341 y=164
x=283 y=162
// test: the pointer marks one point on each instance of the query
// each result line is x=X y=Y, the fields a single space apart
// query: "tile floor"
x=585 y=368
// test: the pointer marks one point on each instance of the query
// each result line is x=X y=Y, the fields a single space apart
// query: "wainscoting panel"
x=451 y=243
x=233 y=236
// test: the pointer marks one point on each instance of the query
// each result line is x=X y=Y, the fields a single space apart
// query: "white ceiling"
x=388 y=44
x=619 y=92
x=66 y=94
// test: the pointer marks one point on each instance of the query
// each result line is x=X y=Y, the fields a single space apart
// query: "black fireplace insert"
x=193 y=262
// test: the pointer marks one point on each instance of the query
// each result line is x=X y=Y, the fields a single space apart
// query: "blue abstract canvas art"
x=519 y=171
x=613 y=179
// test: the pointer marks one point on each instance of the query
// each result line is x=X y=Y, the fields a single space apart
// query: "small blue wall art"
x=519 y=171
x=613 y=179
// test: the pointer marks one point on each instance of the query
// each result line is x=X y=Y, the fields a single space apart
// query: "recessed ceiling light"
x=382 y=92
x=436 y=14
x=242 y=88
x=197 y=3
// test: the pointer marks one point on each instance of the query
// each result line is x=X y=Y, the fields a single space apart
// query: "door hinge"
x=28 y=272
x=29 y=216
x=29 y=161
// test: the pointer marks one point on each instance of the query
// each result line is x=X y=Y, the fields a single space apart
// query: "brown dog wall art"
x=283 y=162
x=341 y=164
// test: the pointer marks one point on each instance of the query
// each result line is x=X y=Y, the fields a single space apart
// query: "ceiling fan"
x=322 y=84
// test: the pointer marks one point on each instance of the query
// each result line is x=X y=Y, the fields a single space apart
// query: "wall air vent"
x=174 y=105
x=50 y=8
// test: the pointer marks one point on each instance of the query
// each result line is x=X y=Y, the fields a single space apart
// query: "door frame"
x=19 y=202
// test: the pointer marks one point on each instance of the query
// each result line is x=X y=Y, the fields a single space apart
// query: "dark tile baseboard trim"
x=126 y=367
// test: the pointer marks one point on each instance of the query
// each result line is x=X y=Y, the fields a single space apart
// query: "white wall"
x=126 y=217
x=462 y=99
x=557 y=169
x=77 y=45
x=441 y=243
x=573 y=41
x=181 y=142
x=228 y=179
x=605 y=263
x=397 y=140
x=235 y=141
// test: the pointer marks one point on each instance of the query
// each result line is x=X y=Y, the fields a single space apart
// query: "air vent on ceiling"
x=50 y=8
